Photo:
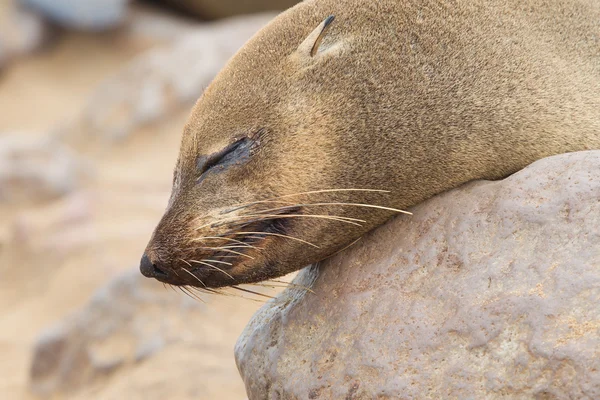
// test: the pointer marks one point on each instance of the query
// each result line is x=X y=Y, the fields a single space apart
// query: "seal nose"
x=150 y=270
x=146 y=267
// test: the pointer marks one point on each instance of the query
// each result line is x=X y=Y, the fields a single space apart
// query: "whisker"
x=230 y=251
x=230 y=294
x=271 y=286
x=195 y=277
x=198 y=239
x=250 y=291
x=197 y=291
x=214 y=267
x=337 y=204
x=268 y=285
x=225 y=238
x=185 y=292
x=181 y=259
x=244 y=205
x=293 y=284
x=218 y=262
x=329 y=191
x=303 y=194
x=203 y=290
x=347 y=247
x=192 y=294
x=201 y=262
x=348 y=220
x=211 y=224
x=209 y=290
x=231 y=247
x=278 y=235
x=239 y=207
x=236 y=207
x=232 y=220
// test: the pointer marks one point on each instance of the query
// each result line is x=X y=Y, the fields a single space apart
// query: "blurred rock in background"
x=89 y=15
x=162 y=80
x=132 y=322
x=21 y=31
x=101 y=15
x=33 y=169
x=215 y=9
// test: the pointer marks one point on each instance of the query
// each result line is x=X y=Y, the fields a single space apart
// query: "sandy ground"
x=54 y=254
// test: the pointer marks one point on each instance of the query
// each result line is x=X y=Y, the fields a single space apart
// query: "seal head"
x=320 y=129
x=254 y=196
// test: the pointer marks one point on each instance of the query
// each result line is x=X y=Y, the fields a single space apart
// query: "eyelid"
x=214 y=158
x=208 y=162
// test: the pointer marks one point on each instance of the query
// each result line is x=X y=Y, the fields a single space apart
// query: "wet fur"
x=415 y=97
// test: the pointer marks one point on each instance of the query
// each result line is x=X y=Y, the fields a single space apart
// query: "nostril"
x=150 y=270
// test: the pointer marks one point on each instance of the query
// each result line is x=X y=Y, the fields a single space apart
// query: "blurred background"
x=93 y=98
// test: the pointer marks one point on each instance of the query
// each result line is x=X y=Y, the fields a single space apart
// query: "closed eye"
x=236 y=153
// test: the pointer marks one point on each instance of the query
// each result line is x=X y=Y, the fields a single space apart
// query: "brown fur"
x=415 y=97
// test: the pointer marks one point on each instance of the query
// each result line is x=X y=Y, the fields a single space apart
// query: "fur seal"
x=320 y=128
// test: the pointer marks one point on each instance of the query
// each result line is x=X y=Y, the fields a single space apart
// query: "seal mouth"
x=159 y=273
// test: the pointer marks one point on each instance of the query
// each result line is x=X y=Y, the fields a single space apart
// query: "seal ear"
x=310 y=45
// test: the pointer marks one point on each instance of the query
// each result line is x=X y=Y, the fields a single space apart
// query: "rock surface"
x=489 y=291
x=162 y=80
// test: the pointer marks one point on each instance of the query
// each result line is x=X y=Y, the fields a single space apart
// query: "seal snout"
x=150 y=270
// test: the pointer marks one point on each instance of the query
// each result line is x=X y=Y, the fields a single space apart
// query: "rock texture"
x=162 y=80
x=131 y=322
x=489 y=291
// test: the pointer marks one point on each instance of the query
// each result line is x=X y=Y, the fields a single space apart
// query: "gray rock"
x=489 y=291
x=93 y=15
x=163 y=80
x=37 y=169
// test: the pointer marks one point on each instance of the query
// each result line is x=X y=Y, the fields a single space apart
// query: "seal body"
x=319 y=126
